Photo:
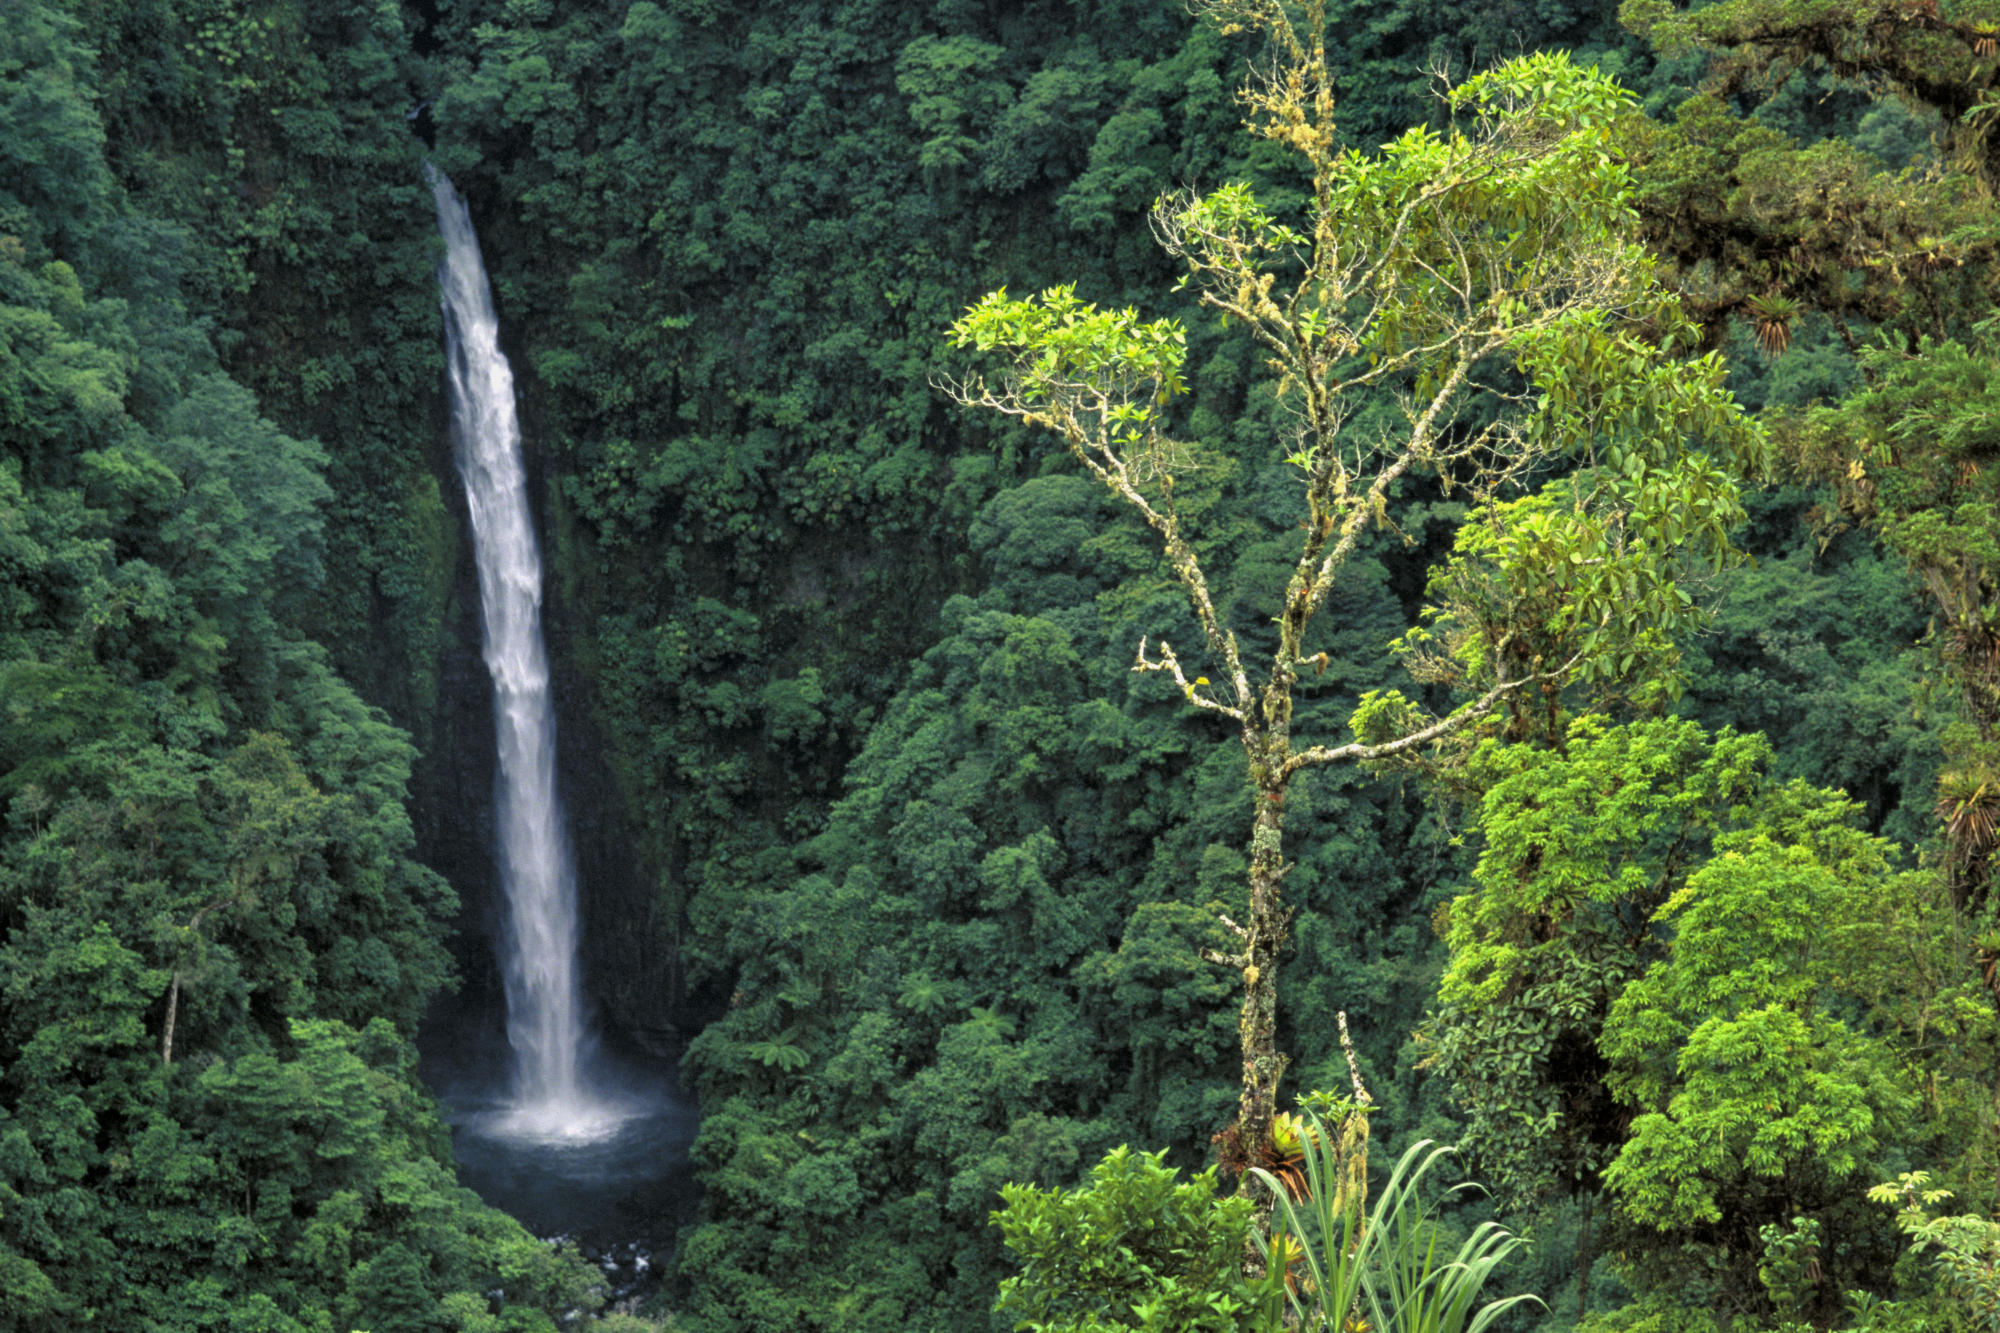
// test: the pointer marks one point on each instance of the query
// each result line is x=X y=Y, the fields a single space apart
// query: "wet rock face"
x=630 y=966
x=451 y=784
x=631 y=970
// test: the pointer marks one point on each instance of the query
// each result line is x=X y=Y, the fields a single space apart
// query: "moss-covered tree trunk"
x=1264 y=936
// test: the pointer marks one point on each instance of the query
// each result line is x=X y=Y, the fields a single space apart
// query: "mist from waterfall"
x=547 y=1021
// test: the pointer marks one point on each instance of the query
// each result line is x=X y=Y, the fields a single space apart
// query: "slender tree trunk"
x=167 y=1033
x=174 y=989
x=1263 y=1063
x=1583 y=1258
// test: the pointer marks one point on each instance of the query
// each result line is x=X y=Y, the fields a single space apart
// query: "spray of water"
x=546 y=1017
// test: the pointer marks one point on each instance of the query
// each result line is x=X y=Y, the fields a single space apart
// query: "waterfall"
x=546 y=1020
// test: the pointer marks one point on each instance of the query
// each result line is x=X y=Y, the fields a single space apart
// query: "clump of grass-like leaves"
x=1380 y=1269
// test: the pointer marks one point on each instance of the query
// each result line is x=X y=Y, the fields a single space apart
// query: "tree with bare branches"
x=1484 y=279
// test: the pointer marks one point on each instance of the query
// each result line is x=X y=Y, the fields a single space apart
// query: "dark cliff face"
x=451 y=785
x=630 y=965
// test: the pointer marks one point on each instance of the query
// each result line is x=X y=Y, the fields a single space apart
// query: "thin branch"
x=1359 y=752
x=1239 y=961
x=1171 y=664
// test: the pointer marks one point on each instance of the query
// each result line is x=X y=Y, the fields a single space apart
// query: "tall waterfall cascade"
x=547 y=1019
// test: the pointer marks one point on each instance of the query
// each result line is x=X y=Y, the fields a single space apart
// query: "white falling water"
x=545 y=1010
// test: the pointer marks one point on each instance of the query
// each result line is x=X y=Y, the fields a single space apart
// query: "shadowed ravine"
x=568 y=1133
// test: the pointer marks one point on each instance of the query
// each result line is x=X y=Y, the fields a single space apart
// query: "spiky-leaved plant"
x=1383 y=1267
x=1773 y=316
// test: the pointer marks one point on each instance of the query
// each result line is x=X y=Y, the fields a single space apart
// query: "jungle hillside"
x=1221 y=667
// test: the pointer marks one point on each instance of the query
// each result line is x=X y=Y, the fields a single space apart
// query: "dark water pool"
x=616 y=1178
x=623 y=1179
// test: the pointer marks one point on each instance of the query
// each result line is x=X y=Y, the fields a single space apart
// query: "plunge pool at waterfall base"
x=620 y=1185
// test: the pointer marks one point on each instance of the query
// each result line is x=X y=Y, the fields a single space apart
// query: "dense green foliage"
x=1136 y=1247
x=217 y=943
x=928 y=868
